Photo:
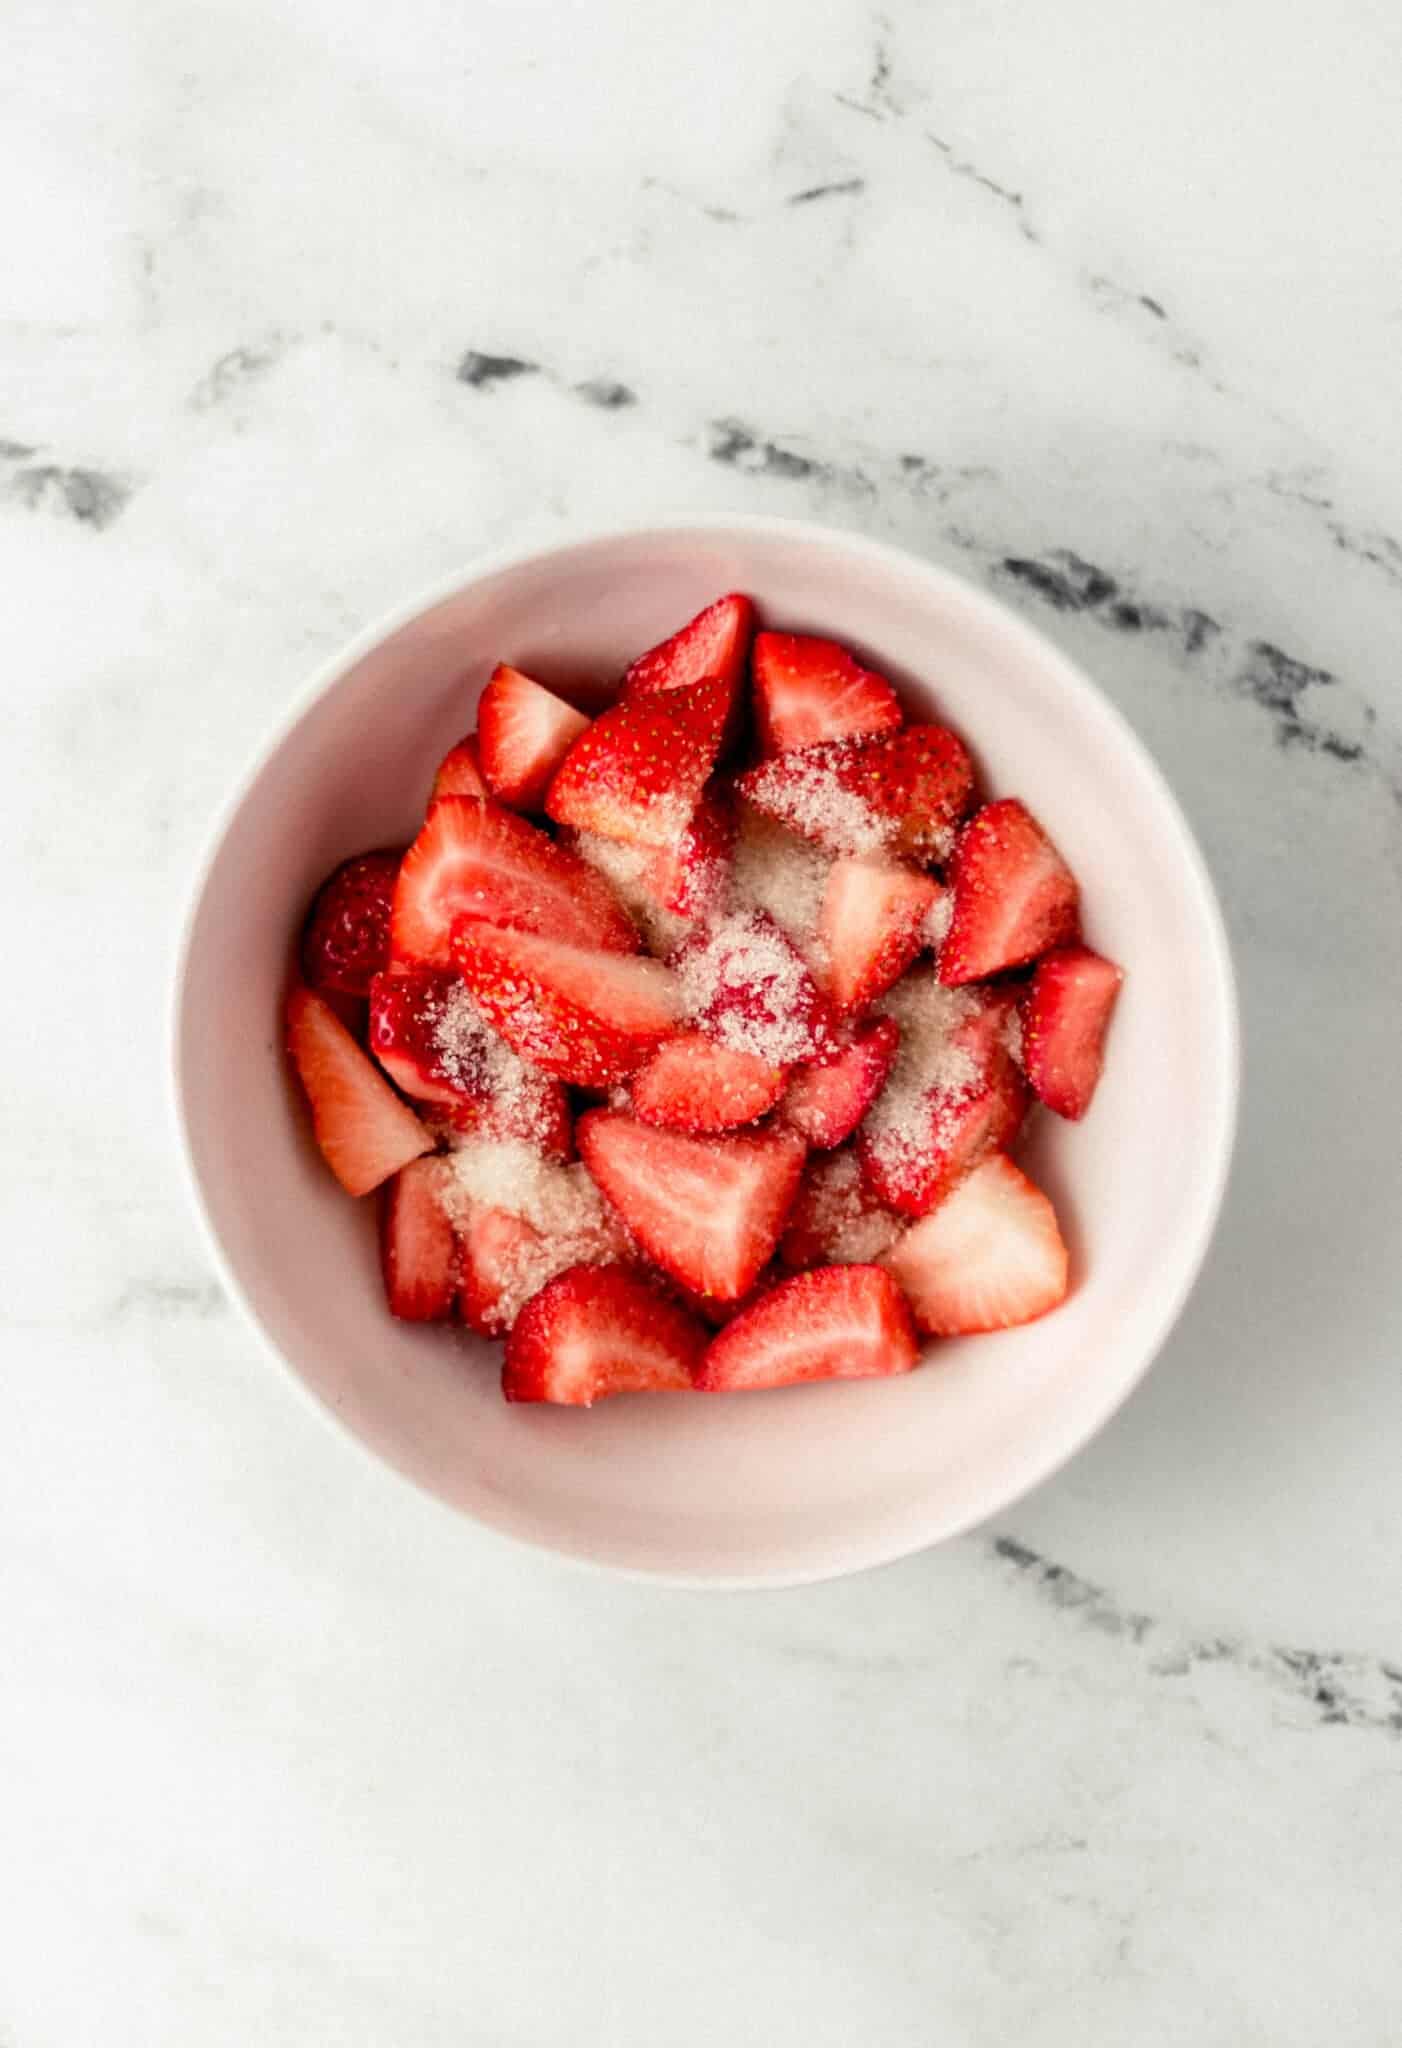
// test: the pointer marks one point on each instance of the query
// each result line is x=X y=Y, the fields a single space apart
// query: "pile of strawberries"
x=689 y=1044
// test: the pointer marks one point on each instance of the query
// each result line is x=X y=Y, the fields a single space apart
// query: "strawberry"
x=901 y=794
x=475 y=859
x=460 y=771
x=835 y=1219
x=808 y=690
x=599 y=1330
x=708 y=1211
x=1065 y=1015
x=827 y=1100
x=533 y=1107
x=524 y=731
x=587 y=1017
x=871 y=927
x=1014 y=896
x=505 y=1260
x=833 y=1323
x=744 y=984
x=715 y=643
x=693 y=1084
x=428 y=1035
x=418 y=1245
x=689 y=878
x=346 y=941
x=638 y=772
x=989 y=1257
x=365 y=1132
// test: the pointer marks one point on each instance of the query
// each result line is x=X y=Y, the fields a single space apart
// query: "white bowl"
x=744 y=1489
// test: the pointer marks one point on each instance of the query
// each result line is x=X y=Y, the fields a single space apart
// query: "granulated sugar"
x=932 y=1060
x=473 y=1058
x=840 y=1213
x=625 y=868
x=938 y=918
x=778 y=872
x=748 y=988
x=804 y=790
x=505 y=1173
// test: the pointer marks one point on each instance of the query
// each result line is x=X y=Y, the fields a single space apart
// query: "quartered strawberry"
x=476 y=859
x=744 y=983
x=835 y=1219
x=871 y=927
x=346 y=941
x=599 y=1330
x=533 y=1107
x=638 y=772
x=363 y=1129
x=1065 y=1015
x=505 y=1260
x=418 y=1245
x=902 y=794
x=715 y=643
x=585 y=1016
x=524 y=732
x=834 y=1323
x=809 y=690
x=693 y=1084
x=708 y=1211
x=1014 y=896
x=429 y=1036
x=689 y=878
x=989 y=1257
x=827 y=1099
x=460 y=772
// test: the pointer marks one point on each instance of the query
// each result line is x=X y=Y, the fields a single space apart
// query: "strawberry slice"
x=460 y=772
x=505 y=1260
x=834 y=1323
x=745 y=984
x=638 y=772
x=587 y=1017
x=693 y=1084
x=871 y=927
x=690 y=878
x=715 y=643
x=809 y=690
x=418 y=1245
x=989 y=1257
x=826 y=1101
x=477 y=860
x=708 y=1211
x=902 y=794
x=835 y=1219
x=363 y=1129
x=600 y=1330
x=1065 y=1015
x=429 y=1036
x=346 y=941
x=1014 y=896
x=524 y=733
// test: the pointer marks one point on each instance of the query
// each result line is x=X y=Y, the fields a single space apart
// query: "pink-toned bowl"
x=745 y=1489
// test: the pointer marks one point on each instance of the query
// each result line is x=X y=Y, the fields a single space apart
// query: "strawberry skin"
x=690 y=878
x=363 y=1129
x=871 y=927
x=714 y=644
x=418 y=1245
x=346 y=941
x=902 y=794
x=600 y=1330
x=524 y=732
x=833 y=1323
x=587 y=1017
x=991 y=1256
x=809 y=690
x=835 y=1219
x=827 y=1100
x=1065 y=1015
x=1014 y=896
x=460 y=772
x=638 y=772
x=428 y=1035
x=693 y=1084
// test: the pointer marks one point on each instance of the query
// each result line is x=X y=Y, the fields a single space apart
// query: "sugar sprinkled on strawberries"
x=938 y=918
x=841 y=1214
x=932 y=1057
x=560 y=1203
x=625 y=868
x=474 y=1059
x=803 y=790
x=776 y=871
x=749 y=988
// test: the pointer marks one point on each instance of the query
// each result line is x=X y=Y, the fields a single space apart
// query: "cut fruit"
x=533 y=1108
x=460 y=772
x=475 y=859
x=871 y=927
x=809 y=690
x=955 y=1133
x=714 y=643
x=429 y=1036
x=584 y=1016
x=903 y=794
x=693 y=1084
x=708 y=1211
x=835 y=1219
x=346 y=941
x=522 y=1219
x=638 y=772
x=524 y=731
x=834 y=1323
x=363 y=1129
x=990 y=1257
x=744 y=984
x=1065 y=1016
x=1014 y=896
x=505 y=1261
x=690 y=878
x=418 y=1245
x=827 y=1100
x=600 y=1330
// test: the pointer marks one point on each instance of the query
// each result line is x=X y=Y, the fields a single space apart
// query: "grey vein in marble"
x=92 y=497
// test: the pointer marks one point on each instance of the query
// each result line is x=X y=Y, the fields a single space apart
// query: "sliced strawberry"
x=522 y=1219
x=587 y=1017
x=715 y=643
x=834 y=1323
x=827 y=1100
x=505 y=1260
x=1065 y=1016
x=599 y=1330
x=902 y=794
x=638 y=772
x=429 y=1036
x=835 y=1219
x=693 y=1084
x=524 y=733
x=418 y=1245
x=477 y=860
x=809 y=690
x=745 y=984
x=365 y=1132
x=460 y=772
x=871 y=927
x=533 y=1107
x=689 y=878
x=989 y=1257
x=346 y=941
x=1014 y=896
x=708 y=1211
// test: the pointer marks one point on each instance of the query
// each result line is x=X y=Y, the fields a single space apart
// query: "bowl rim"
x=1041 y=1460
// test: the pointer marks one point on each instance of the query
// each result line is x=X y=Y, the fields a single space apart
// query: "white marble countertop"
x=303 y=305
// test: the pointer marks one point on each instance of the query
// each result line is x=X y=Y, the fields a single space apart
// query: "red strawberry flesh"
x=460 y=772
x=744 y=984
x=418 y=1245
x=364 y=1131
x=809 y=690
x=600 y=1330
x=1065 y=1015
x=1014 y=896
x=827 y=1099
x=693 y=1084
x=714 y=643
x=991 y=1256
x=835 y=1322
x=637 y=774
x=524 y=733
x=872 y=925
x=835 y=1219
x=588 y=1017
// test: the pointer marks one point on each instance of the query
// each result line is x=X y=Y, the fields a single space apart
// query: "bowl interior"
x=753 y=1487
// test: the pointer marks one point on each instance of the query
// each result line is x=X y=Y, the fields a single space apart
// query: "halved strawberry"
x=745 y=984
x=476 y=859
x=714 y=643
x=827 y=1099
x=346 y=941
x=690 y=877
x=429 y=1036
x=871 y=927
x=989 y=1257
x=835 y=1219
x=588 y=1017
x=693 y=1084
x=418 y=1245
x=524 y=733
x=708 y=1211
x=1014 y=896
x=902 y=794
x=363 y=1129
x=638 y=772
x=460 y=772
x=809 y=690
x=833 y=1323
x=599 y=1330
x=1065 y=1016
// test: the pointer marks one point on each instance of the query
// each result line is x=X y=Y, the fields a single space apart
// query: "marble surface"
x=303 y=305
